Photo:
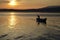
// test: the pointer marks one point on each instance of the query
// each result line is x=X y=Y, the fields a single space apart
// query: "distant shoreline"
x=49 y=9
x=30 y=10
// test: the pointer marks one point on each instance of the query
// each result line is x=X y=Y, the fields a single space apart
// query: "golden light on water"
x=12 y=13
x=12 y=21
x=12 y=3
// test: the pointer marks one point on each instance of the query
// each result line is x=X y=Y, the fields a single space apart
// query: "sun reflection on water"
x=12 y=21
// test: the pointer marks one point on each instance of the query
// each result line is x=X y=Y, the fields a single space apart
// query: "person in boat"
x=38 y=19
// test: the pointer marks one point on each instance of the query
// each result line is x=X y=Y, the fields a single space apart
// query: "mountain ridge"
x=45 y=9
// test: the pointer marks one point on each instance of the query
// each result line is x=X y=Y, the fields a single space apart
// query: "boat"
x=43 y=20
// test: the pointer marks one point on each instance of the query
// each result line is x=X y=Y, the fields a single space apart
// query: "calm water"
x=23 y=26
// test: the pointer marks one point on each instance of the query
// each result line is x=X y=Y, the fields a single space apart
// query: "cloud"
x=30 y=3
x=37 y=2
x=3 y=1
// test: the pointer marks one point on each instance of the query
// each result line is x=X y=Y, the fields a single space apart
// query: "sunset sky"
x=27 y=4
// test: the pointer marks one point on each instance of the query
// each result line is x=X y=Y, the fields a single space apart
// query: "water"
x=23 y=26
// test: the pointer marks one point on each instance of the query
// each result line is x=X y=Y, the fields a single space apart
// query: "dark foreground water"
x=23 y=26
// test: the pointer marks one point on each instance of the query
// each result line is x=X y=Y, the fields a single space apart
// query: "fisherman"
x=38 y=18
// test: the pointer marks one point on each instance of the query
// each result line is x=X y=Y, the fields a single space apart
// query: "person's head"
x=38 y=16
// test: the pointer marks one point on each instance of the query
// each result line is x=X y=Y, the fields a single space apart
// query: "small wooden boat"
x=43 y=20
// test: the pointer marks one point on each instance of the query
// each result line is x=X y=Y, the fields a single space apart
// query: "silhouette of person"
x=38 y=18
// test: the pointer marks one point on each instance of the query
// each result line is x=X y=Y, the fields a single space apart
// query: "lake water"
x=23 y=26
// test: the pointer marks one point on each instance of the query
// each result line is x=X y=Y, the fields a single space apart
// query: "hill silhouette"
x=50 y=9
x=45 y=9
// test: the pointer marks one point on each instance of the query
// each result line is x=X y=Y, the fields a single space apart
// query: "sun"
x=12 y=3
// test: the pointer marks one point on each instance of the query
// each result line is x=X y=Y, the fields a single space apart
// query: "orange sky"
x=27 y=4
x=21 y=6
